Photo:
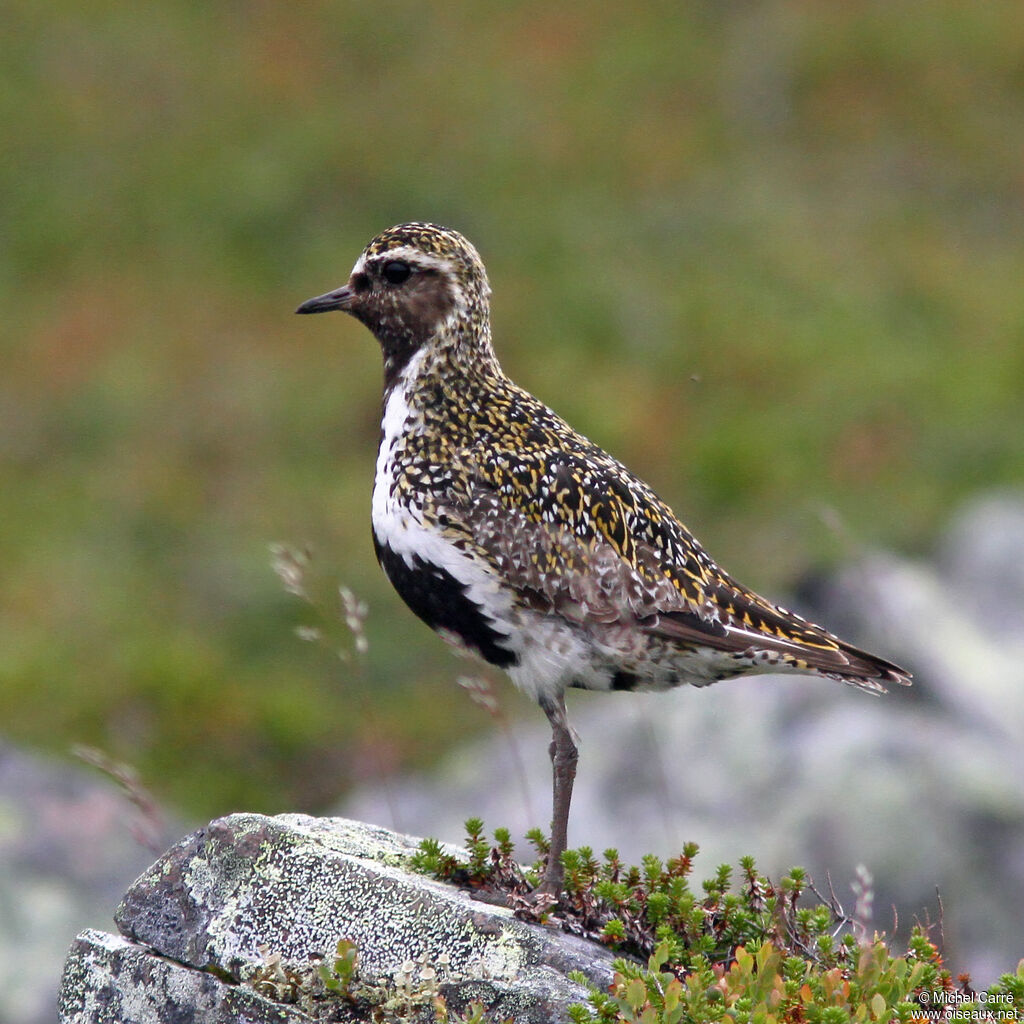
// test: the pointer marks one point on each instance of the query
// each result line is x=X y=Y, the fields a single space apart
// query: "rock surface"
x=111 y=980
x=251 y=903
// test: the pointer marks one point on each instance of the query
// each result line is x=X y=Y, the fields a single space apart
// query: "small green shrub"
x=737 y=949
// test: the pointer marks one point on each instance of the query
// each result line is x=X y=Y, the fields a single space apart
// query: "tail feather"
x=795 y=643
x=868 y=671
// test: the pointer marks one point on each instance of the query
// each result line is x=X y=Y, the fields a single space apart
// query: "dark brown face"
x=401 y=297
x=409 y=284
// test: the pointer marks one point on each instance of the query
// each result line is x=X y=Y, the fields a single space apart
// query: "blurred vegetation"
x=770 y=254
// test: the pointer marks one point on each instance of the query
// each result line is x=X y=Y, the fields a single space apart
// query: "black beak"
x=340 y=298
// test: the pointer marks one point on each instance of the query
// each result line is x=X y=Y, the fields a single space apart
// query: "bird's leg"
x=563 y=765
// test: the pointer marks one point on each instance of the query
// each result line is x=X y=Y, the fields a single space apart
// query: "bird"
x=515 y=537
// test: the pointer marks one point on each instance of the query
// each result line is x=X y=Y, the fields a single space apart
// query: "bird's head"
x=412 y=284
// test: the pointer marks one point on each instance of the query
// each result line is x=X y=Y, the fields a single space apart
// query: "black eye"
x=396 y=271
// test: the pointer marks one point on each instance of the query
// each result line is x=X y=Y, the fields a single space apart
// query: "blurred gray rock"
x=982 y=551
x=249 y=891
x=68 y=850
x=925 y=786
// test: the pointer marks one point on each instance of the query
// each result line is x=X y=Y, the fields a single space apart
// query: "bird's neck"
x=454 y=351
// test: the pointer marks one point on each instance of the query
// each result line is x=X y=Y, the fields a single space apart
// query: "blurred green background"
x=769 y=254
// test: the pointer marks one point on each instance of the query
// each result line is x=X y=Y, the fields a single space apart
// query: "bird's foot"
x=548 y=894
x=534 y=905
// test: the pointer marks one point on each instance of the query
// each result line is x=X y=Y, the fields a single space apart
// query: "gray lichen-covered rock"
x=109 y=980
x=204 y=923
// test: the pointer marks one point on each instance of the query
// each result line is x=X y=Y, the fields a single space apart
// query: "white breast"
x=398 y=522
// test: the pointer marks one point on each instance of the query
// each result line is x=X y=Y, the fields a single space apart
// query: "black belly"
x=440 y=600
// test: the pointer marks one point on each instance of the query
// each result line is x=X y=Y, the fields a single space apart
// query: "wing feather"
x=572 y=532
